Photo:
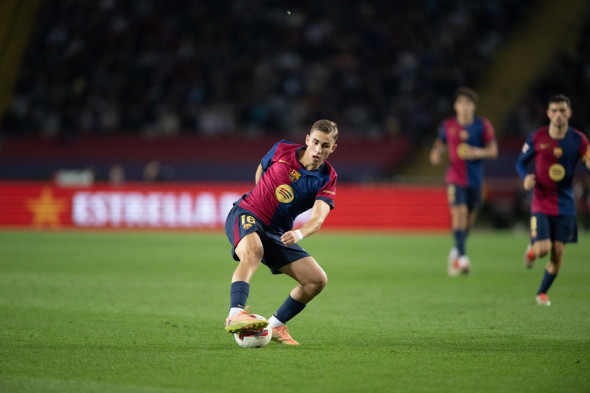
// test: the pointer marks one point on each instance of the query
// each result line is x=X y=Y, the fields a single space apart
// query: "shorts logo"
x=464 y=135
x=284 y=193
x=451 y=193
x=294 y=175
x=556 y=172
x=557 y=152
x=247 y=221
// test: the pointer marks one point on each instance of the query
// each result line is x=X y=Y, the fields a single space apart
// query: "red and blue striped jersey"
x=286 y=189
x=465 y=173
x=554 y=164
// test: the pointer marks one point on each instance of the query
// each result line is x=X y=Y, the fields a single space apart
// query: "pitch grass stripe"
x=84 y=312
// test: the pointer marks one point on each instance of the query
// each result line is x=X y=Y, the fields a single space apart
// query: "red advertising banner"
x=205 y=206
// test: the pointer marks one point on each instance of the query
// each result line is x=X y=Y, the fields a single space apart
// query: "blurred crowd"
x=163 y=67
x=569 y=73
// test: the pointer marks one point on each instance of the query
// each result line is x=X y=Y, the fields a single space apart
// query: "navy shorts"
x=557 y=228
x=458 y=195
x=241 y=222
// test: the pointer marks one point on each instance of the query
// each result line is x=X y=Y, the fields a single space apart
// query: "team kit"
x=293 y=178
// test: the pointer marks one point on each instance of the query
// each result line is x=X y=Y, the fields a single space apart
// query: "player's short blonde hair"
x=327 y=127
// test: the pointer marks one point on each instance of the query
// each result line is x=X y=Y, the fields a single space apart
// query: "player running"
x=556 y=149
x=290 y=179
x=469 y=139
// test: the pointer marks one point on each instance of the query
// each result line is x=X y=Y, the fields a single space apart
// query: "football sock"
x=288 y=310
x=460 y=236
x=546 y=282
x=274 y=322
x=239 y=294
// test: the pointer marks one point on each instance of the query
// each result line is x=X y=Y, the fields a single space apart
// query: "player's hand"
x=435 y=157
x=529 y=181
x=473 y=153
x=289 y=238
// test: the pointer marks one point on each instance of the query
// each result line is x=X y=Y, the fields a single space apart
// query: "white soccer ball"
x=254 y=338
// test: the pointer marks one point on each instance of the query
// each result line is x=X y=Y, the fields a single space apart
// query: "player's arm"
x=258 y=173
x=438 y=148
x=319 y=212
x=586 y=158
x=490 y=151
x=528 y=179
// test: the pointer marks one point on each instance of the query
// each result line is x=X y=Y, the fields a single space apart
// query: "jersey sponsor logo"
x=557 y=152
x=462 y=150
x=556 y=172
x=283 y=162
x=328 y=192
x=284 y=193
x=464 y=135
x=543 y=146
x=294 y=175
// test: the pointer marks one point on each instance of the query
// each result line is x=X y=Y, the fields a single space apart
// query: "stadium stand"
x=380 y=69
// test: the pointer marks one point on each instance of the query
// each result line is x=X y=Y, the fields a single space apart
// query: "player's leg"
x=551 y=270
x=539 y=245
x=457 y=199
x=459 y=221
x=311 y=280
x=563 y=230
x=248 y=250
x=472 y=200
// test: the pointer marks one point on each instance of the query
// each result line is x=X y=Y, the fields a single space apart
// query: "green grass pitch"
x=144 y=312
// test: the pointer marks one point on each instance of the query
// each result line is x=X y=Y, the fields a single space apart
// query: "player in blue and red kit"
x=556 y=149
x=469 y=139
x=290 y=180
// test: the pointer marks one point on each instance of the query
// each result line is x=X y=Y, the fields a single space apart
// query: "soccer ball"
x=254 y=338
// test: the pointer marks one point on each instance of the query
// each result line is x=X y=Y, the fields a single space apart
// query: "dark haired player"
x=290 y=179
x=469 y=139
x=556 y=149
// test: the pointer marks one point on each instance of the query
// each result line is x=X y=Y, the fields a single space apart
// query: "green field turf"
x=144 y=312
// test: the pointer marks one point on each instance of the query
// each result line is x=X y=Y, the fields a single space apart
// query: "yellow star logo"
x=46 y=209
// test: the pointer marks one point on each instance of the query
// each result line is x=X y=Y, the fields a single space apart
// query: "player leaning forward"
x=556 y=149
x=290 y=179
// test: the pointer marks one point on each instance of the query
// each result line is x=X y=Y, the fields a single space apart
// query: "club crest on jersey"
x=556 y=172
x=557 y=152
x=294 y=175
x=464 y=135
x=284 y=193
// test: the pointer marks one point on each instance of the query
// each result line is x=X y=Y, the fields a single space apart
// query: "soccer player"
x=556 y=149
x=290 y=179
x=469 y=139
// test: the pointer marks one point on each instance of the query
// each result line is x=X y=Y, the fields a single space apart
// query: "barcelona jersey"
x=286 y=189
x=554 y=164
x=462 y=172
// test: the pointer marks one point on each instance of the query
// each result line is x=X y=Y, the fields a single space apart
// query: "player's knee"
x=319 y=283
x=542 y=248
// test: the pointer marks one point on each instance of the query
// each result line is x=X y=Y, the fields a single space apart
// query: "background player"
x=469 y=139
x=290 y=180
x=556 y=149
